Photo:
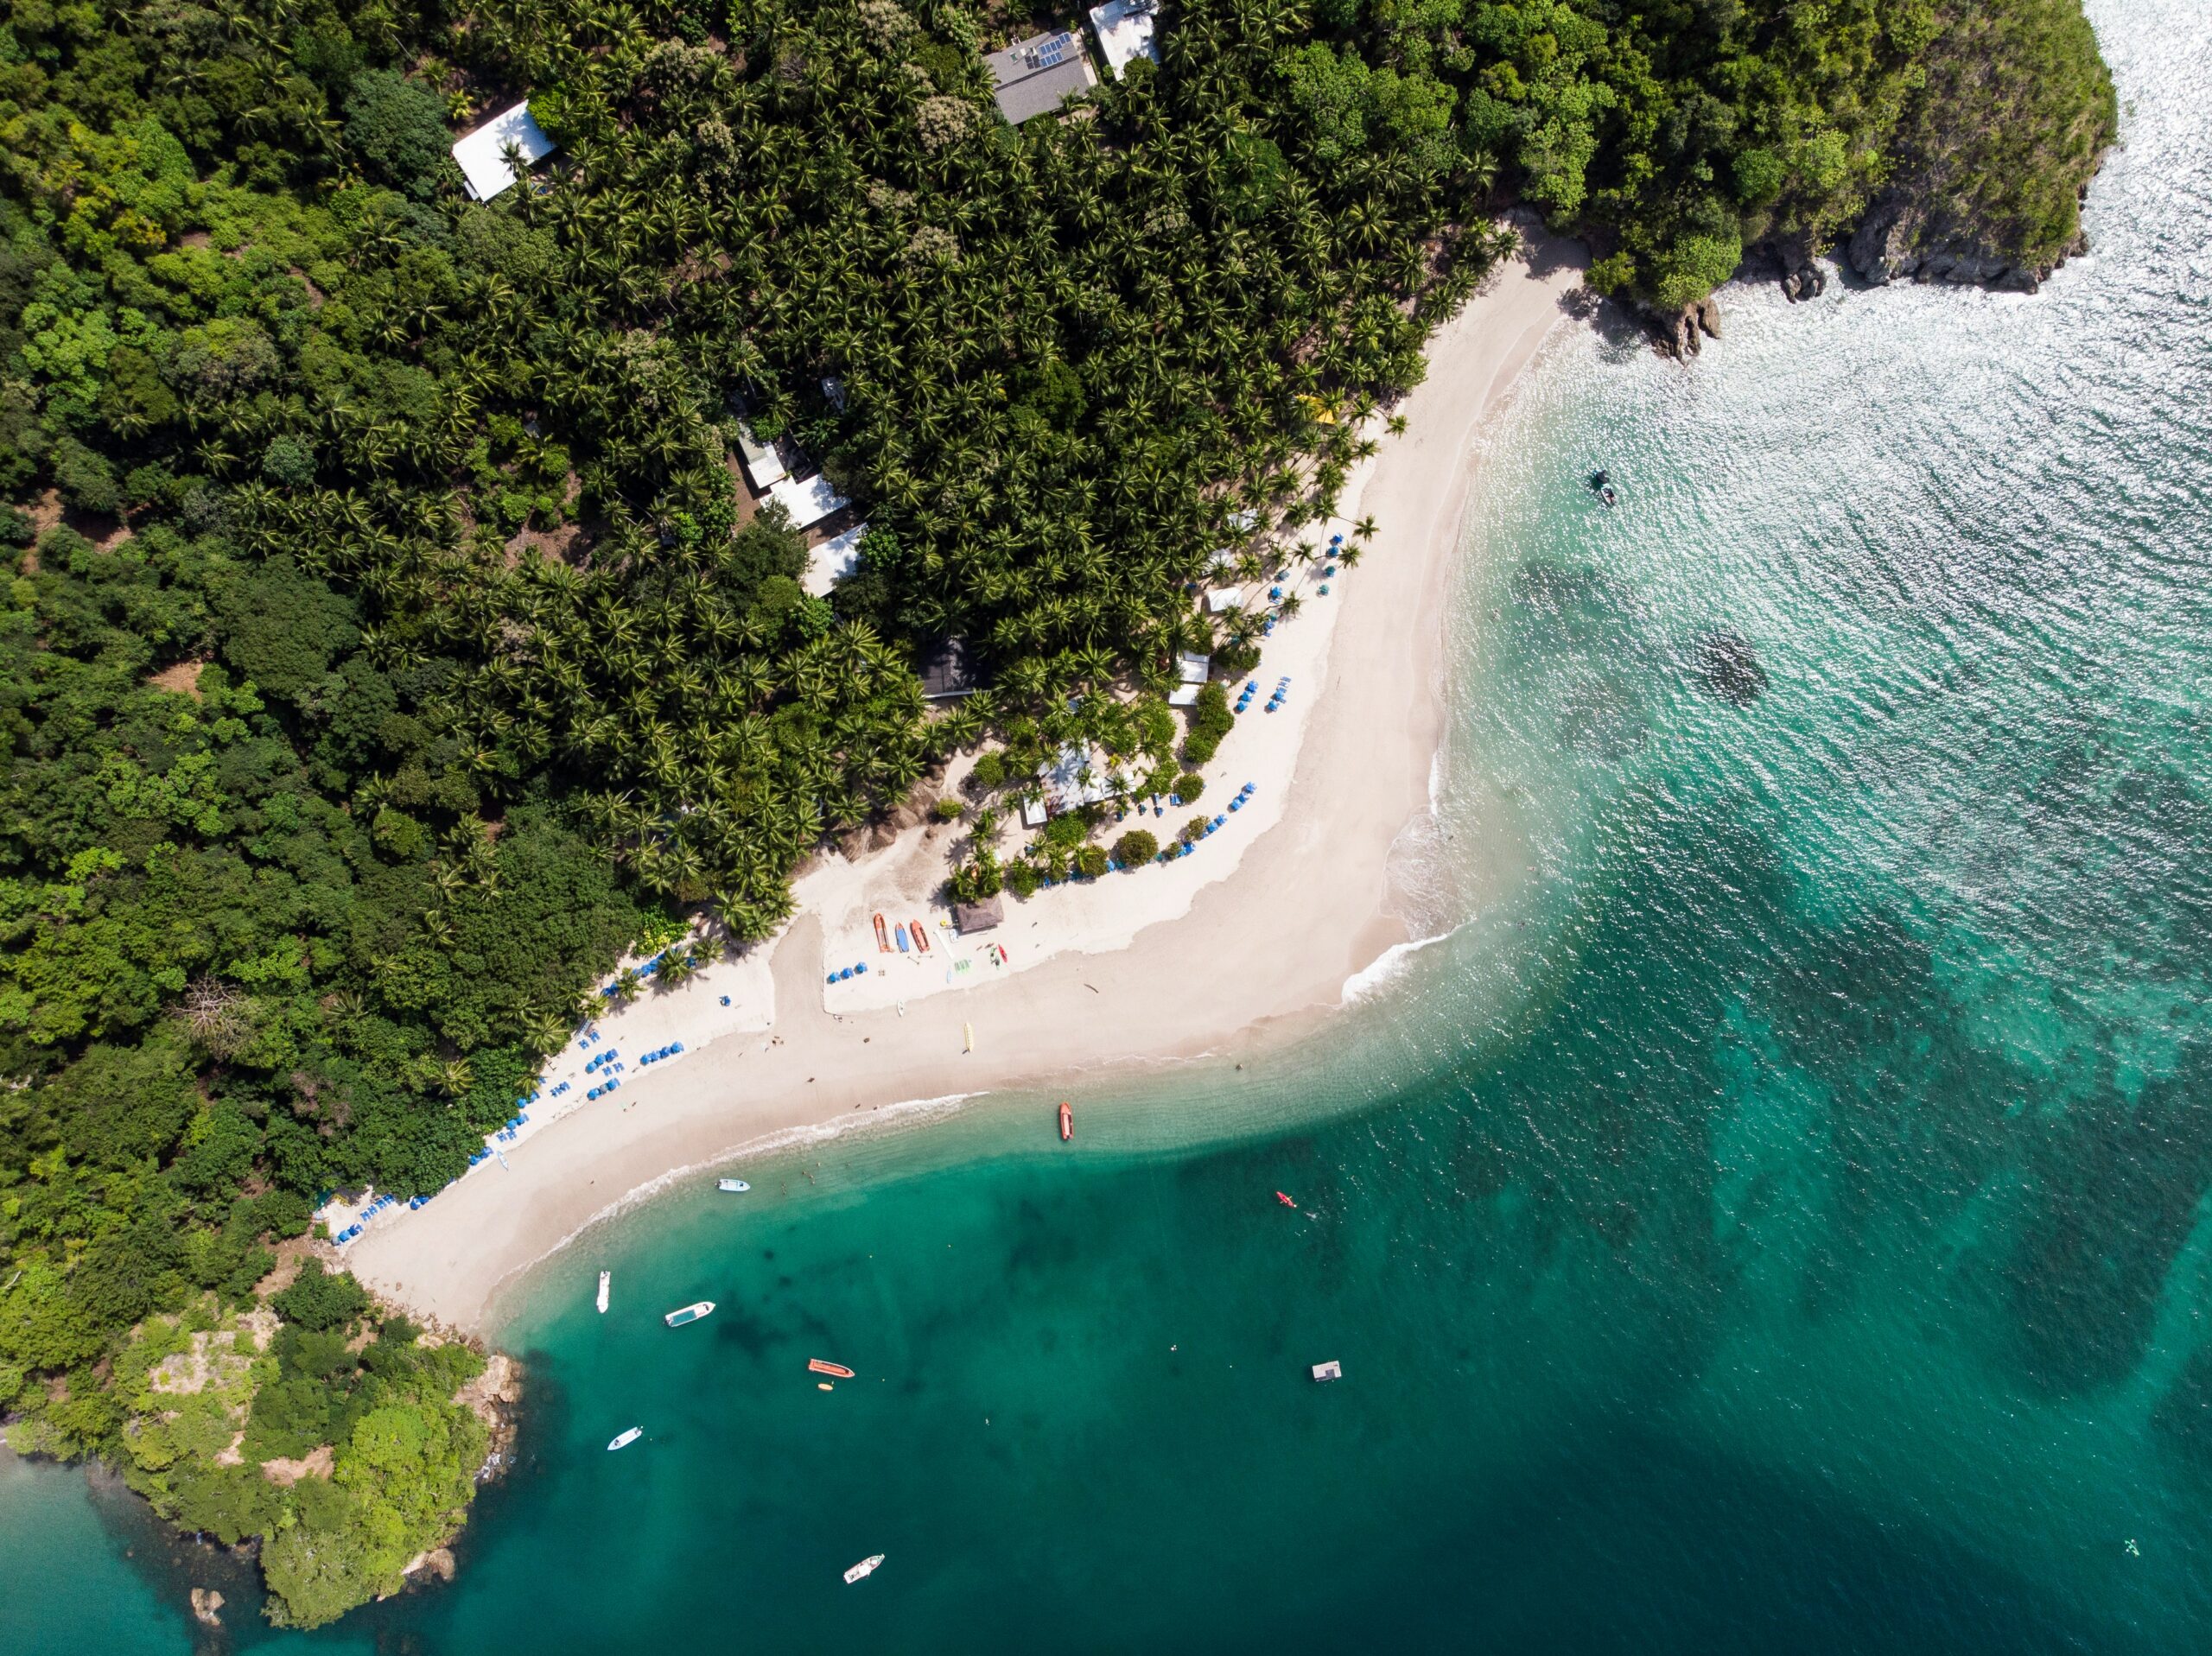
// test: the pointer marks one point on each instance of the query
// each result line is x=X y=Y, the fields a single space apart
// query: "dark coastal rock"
x=1728 y=668
x=1790 y=258
x=1899 y=240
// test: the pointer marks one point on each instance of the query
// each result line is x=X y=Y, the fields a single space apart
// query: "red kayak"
x=1285 y=1200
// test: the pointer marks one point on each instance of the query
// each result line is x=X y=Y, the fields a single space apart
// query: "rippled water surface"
x=1778 y=1221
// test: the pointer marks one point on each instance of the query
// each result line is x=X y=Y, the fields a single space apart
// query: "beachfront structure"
x=764 y=467
x=1224 y=597
x=832 y=561
x=978 y=916
x=482 y=155
x=1036 y=76
x=1080 y=775
x=808 y=501
x=1194 y=671
x=948 y=672
x=1125 y=32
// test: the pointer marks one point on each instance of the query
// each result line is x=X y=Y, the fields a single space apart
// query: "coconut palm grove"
x=392 y=645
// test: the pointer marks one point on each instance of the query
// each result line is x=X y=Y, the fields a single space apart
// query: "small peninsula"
x=521 y=511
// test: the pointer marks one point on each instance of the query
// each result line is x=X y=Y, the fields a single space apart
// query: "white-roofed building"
x=482 y=155
x=1194 y=671
x=832 y=561
x=1081 y=776
x=1224 y=597
x=808 y=502
x=1125 y=32
x=764 y=467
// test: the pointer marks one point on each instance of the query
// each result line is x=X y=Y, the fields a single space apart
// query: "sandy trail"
x=1258 y=955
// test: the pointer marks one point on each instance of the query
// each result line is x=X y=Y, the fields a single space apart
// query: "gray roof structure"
x=1036 y=76
x=948 y=672
x=978 y=917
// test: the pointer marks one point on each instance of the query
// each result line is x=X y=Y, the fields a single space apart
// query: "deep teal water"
x=1778 y=1220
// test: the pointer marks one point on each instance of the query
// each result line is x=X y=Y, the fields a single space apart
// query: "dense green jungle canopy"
x=385 y=646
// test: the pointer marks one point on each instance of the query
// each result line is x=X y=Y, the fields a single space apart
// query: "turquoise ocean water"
x=1777 y=1220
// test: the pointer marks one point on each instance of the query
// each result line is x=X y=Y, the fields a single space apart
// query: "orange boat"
x=921 y=942
x=1067 y=1122
x=882 y=936
x=818 y=1366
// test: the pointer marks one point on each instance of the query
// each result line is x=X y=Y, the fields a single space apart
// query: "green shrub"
x=1091 y=861
x=1135 y=848
x=947 y=809
x=1189 y=786
x=1194 y=830
x=1211 y=721
x=1020 y=878
x=317 y=1300
x=397 y=127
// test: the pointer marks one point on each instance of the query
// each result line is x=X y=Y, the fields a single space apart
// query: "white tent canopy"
x=809 y=502
x=482 y=155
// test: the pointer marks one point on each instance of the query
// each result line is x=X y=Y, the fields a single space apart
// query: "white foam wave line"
x=768 y=1144
x=1386 y=966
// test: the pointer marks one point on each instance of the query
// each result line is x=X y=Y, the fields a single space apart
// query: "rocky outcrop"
x=1898 y=241
x=207 y=1607
x=495 y=1398
x=1790 y=258
x=1684 y=334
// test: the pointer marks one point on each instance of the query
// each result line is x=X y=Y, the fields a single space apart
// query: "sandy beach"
x=1152 y=967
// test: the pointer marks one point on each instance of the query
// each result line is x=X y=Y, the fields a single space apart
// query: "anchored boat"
x=605 y=1278
x=735 y=1186
x=623 y=1440
x=1067 y=1122
x=823 y=1366
x=691 y=1313
x=865 y=1567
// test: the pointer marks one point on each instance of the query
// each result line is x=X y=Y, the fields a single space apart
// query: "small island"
x=514 y=513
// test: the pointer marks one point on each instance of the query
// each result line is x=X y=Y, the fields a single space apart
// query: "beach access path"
x=1256 y=955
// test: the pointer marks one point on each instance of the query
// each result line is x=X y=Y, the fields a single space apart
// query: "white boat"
x=737 y=1187
x=606 y=1278
x=623 y=1440
x=865 y=1567
x=691 y=1313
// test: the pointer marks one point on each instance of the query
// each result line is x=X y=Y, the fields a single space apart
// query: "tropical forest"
x=392 y=647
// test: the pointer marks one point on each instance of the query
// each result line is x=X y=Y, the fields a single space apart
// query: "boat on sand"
x=691 y=1313
x=865 y=1567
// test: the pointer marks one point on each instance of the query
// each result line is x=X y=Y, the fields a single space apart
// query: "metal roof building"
x=832 y=561
x=482 y=155
x=1125 y=32
x=808 y=500
x=1036 y=76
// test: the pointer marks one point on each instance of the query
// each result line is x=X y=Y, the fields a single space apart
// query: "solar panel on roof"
x=1052 y=51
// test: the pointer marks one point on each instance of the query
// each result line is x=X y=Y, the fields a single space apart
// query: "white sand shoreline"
x=1176 y=978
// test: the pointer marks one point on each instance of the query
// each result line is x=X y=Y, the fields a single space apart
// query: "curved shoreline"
x=1314 y=884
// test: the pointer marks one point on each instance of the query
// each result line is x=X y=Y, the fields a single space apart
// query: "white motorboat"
x=736 y=1187
x=623 y=1440
x=691 y=1313
x=605 y=1280
x=865 y=1567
